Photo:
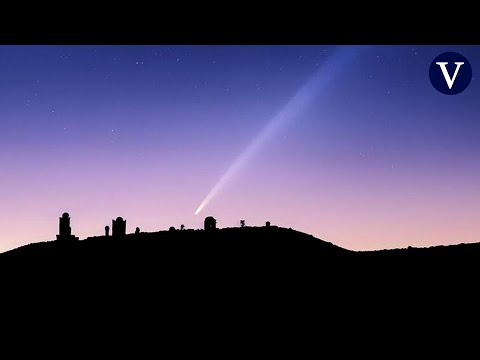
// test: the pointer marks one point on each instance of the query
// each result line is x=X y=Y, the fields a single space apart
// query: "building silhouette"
x=267 y=224
x=107 y=230
x=119 y=227
x=65 y=231
x=210 y=223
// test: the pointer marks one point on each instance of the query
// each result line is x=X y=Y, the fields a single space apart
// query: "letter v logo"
x=443 y=66
x=450 y=73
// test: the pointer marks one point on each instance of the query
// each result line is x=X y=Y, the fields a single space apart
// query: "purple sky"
x=379 y=159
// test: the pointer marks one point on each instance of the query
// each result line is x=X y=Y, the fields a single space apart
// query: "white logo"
x=446 y=75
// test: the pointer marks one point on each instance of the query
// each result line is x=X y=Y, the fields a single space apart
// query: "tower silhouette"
x=119 y=227
x=65 y=231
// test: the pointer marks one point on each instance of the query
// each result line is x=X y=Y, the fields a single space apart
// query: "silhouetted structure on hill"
x=65 y=231
x=210 y=223
x=171 y=228
x=107 y=230
x=267 y=224
x=119 y=227
x=154 y=275
x=137 y=230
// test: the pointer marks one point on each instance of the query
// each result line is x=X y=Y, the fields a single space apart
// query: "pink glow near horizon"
x=392 y=209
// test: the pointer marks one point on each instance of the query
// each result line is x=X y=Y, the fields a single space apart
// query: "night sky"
x=376 y=159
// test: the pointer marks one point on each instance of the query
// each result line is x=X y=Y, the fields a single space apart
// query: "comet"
x=317 y=83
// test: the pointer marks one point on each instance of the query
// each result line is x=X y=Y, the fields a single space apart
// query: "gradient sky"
x=379 y=159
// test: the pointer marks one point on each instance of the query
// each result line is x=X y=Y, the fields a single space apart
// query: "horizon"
x=374 y=158
x=68 y=236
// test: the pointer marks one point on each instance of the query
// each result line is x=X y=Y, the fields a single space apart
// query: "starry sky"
x=378 y=159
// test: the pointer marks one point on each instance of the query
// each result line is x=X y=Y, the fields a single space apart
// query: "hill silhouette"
x=271 y=275
x=238 y=250
x=243 y=254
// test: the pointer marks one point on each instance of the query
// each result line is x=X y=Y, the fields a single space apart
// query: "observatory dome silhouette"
x=119 y=227
x=210 y=223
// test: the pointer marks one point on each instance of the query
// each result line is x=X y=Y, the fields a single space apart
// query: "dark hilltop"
x=280 y=275
x=245 y=252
